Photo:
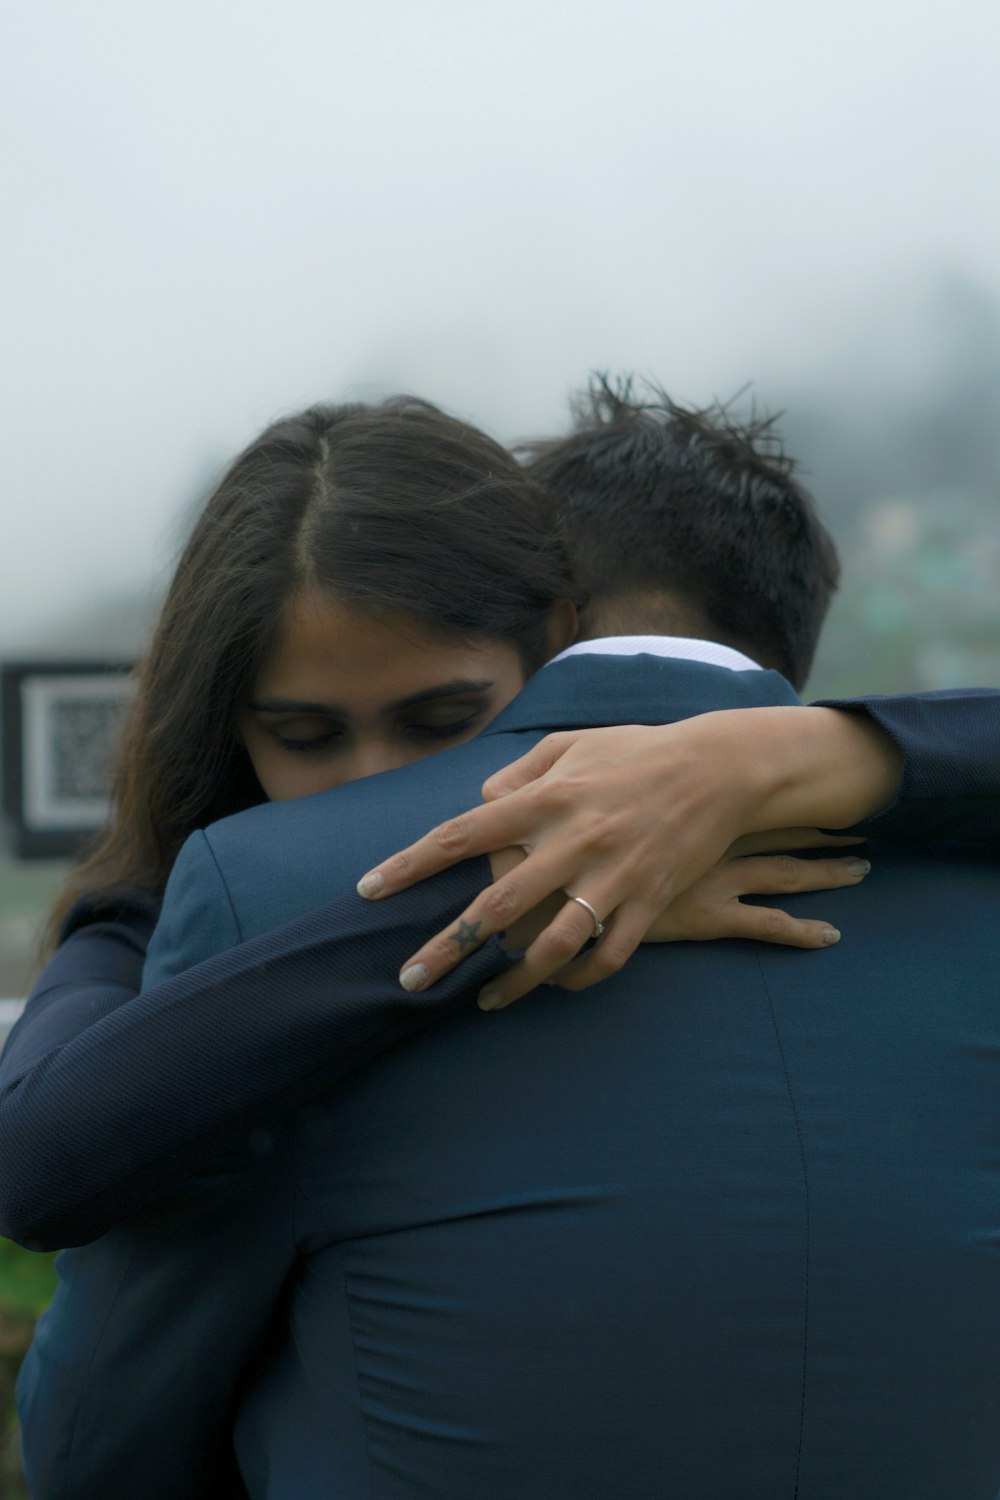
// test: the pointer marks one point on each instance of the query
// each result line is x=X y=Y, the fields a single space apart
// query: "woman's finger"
x=779 y=839
x=783 y=875
x=705 y=912
x=550 y=956
x=528 y=767
x=523 y=893
x=494 y=825
x=767 y=924
x=711 y=907
x=623 y=933
x=717 y=912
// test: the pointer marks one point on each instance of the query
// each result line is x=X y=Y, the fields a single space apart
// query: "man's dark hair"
x=689 y=522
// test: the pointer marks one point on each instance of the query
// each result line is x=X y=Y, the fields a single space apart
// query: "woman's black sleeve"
x=950 y=787
x=108 y=1096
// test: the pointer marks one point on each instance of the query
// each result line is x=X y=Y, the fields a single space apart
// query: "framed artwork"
x=60 y=722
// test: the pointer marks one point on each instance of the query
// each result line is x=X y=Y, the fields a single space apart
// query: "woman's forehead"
x=357 y=661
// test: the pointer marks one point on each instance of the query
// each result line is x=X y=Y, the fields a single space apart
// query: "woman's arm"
x=108 y=1094
x=950 y=783
x=628 y=818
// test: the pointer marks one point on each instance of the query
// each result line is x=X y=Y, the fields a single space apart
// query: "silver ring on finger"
x=598 y=924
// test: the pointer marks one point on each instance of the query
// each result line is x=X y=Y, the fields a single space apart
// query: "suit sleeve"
x=131 y=1384
x=950 y=787
x=132 y=1090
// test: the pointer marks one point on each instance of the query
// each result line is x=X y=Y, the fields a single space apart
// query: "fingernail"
x=859 y=866
x=369 y=885
x=489 y=1000
x=414 y=977
x=830 y=936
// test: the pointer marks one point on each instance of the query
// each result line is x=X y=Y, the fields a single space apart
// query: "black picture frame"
x=58 y=721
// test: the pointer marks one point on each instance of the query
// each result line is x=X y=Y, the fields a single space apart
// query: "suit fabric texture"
x=246 y=1034
x=725 y=1226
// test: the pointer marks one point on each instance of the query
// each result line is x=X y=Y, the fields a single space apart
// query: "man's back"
x=726 y=1226
x=722 y=1227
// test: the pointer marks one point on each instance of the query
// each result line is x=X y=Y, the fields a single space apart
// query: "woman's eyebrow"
x=294 y=706
x=453 y=689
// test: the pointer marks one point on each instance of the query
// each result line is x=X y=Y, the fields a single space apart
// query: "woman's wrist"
x=817 y=767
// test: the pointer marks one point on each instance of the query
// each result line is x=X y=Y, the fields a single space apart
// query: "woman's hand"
x=629 y=819
x=711 y=908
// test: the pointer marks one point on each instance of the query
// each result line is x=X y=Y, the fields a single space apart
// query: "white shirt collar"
x=683 y=648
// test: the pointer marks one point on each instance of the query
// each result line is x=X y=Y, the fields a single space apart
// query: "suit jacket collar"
x=591 y=691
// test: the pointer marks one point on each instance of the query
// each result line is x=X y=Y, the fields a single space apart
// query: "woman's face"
x=345 y=694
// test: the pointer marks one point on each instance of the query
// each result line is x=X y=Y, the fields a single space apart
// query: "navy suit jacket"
x=724 y=1226
x=69 y=1169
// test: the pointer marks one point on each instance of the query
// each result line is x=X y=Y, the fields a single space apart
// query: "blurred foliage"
x=920 y=604
x=27 y=1282
x=15 y=1335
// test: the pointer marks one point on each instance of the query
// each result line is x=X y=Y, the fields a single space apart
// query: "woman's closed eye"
x=441 y=728
x=316 y=734
x=312 y=733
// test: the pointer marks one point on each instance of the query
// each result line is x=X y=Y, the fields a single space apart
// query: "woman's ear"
x=562 y=627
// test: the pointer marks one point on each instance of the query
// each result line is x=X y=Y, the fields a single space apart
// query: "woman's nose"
x=371 y=756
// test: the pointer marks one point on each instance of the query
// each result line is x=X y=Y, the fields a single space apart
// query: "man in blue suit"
x=724 y=1227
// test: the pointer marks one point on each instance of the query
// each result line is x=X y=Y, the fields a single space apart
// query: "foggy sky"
x=217 y=211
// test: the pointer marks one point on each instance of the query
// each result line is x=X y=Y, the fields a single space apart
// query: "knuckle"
x=699 y=904
x=609 y=958
x=601 y=830
x=786 y=871
x=566 y=790
x=452 y=836
x=554 y=745
x=399 y=866
x=773 y=922
x=500 y=902
x=723 y=876
x=442 y=951
x=563 y=944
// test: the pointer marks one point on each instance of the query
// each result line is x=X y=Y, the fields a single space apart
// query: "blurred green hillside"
x=920 y=603
x=26 y=1285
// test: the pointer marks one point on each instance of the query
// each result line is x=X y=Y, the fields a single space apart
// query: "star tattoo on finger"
x=466 y=935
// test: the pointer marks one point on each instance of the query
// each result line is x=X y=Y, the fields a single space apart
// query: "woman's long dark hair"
x=396 y=506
